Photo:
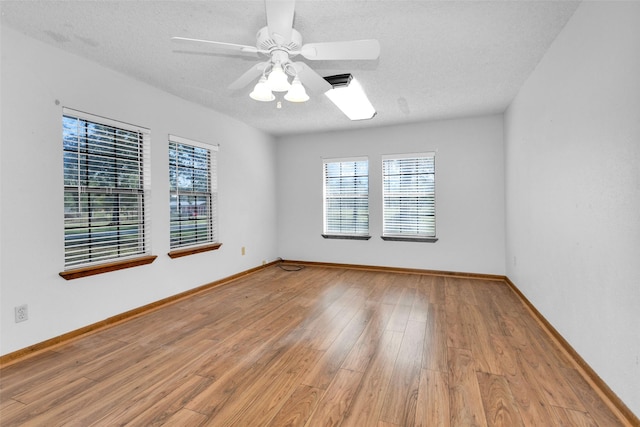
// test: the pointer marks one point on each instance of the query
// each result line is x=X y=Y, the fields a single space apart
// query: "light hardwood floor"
x=319 y=346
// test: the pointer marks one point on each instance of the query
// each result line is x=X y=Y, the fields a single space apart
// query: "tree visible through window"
x=409 y=195
x=346 y=197
x=193 y=195
x=104 y=189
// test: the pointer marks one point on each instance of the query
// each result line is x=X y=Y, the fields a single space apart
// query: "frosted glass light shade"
x=297 y=93
x=262 y=91
x=277 y=80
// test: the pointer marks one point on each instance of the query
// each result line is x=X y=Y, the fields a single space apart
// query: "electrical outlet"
x=22 y=313
x=243 y=251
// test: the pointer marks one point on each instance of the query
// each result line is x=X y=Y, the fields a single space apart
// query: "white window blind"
x=346 y=196
x=409 y=202
x=106 y=189
x=193 y=192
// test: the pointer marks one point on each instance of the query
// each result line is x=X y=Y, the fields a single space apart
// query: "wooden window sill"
x=410 y=239
x=195 y=250
x=346 y=237
x=77 y=273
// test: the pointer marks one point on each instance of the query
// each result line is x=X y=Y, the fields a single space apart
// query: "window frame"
x=428 y=202
x=92 y=140
x=210 y=195
x=353 y=234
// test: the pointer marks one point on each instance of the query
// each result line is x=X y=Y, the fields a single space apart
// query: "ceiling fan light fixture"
x=278 y=42
x=296 y=93
x=349 y=97
x=278 y=81
x=262 y=91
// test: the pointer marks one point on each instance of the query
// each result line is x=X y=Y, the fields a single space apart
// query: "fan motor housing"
x=266 y=42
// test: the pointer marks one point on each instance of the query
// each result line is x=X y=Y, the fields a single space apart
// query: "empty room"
x=300 y=213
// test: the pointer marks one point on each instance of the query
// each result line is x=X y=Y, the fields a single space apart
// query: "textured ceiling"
x=439 y=59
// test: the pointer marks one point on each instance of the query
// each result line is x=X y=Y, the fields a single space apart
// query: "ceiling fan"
x=279 y=42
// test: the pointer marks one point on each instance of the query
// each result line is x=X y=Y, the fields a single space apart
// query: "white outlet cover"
x=21 y=313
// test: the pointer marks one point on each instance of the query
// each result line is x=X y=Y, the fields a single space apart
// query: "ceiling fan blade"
x=356 y=49
x=228 y=46
x=311 y=79
x=249 y=76
x=280 y=19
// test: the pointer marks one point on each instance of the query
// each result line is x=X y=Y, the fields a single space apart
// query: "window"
x=193 y=192
x=346 y=198
x=106 y=182
x=409 y=202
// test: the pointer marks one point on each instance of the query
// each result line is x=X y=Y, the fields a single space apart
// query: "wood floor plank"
x=499 y=404
x=241 y=347
x=378 y=286
x=479 y=338
x=128 y=396
x=148 y=330
x=259 y=402
x=298 y=408
x=316 y=346
x=598 y=410
x=402 y=393
x=163 y=407
x=484 y=292
x=408 y=283
x=550 y=381
x=335 y=402
x=50 y=366
x=228 y=388
x=569 y=418
x=239 y=318
x=53 y=392
x=323 y=372
x=457 y=333
x=392 y=292
x=433 y=399
x=185 y=417
x=178 y=376
x=90 y=348
x=106 y=393
x=422 y=300
x=139 y=404
x=532 y=405
x=116 y=362
x=528 y=336
x=437 y=289
x=367 y=405
x=400 y=316
x=435 y=340
x=11 y=410
x=41 y=362
x=331 y=304
x=323 y=337
x=502 y=356
x=367 y=345
x=460 y=290
x=465 y=400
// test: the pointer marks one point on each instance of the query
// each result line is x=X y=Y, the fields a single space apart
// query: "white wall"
x=469 y=195
x=572 y=140
x=34 y=77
